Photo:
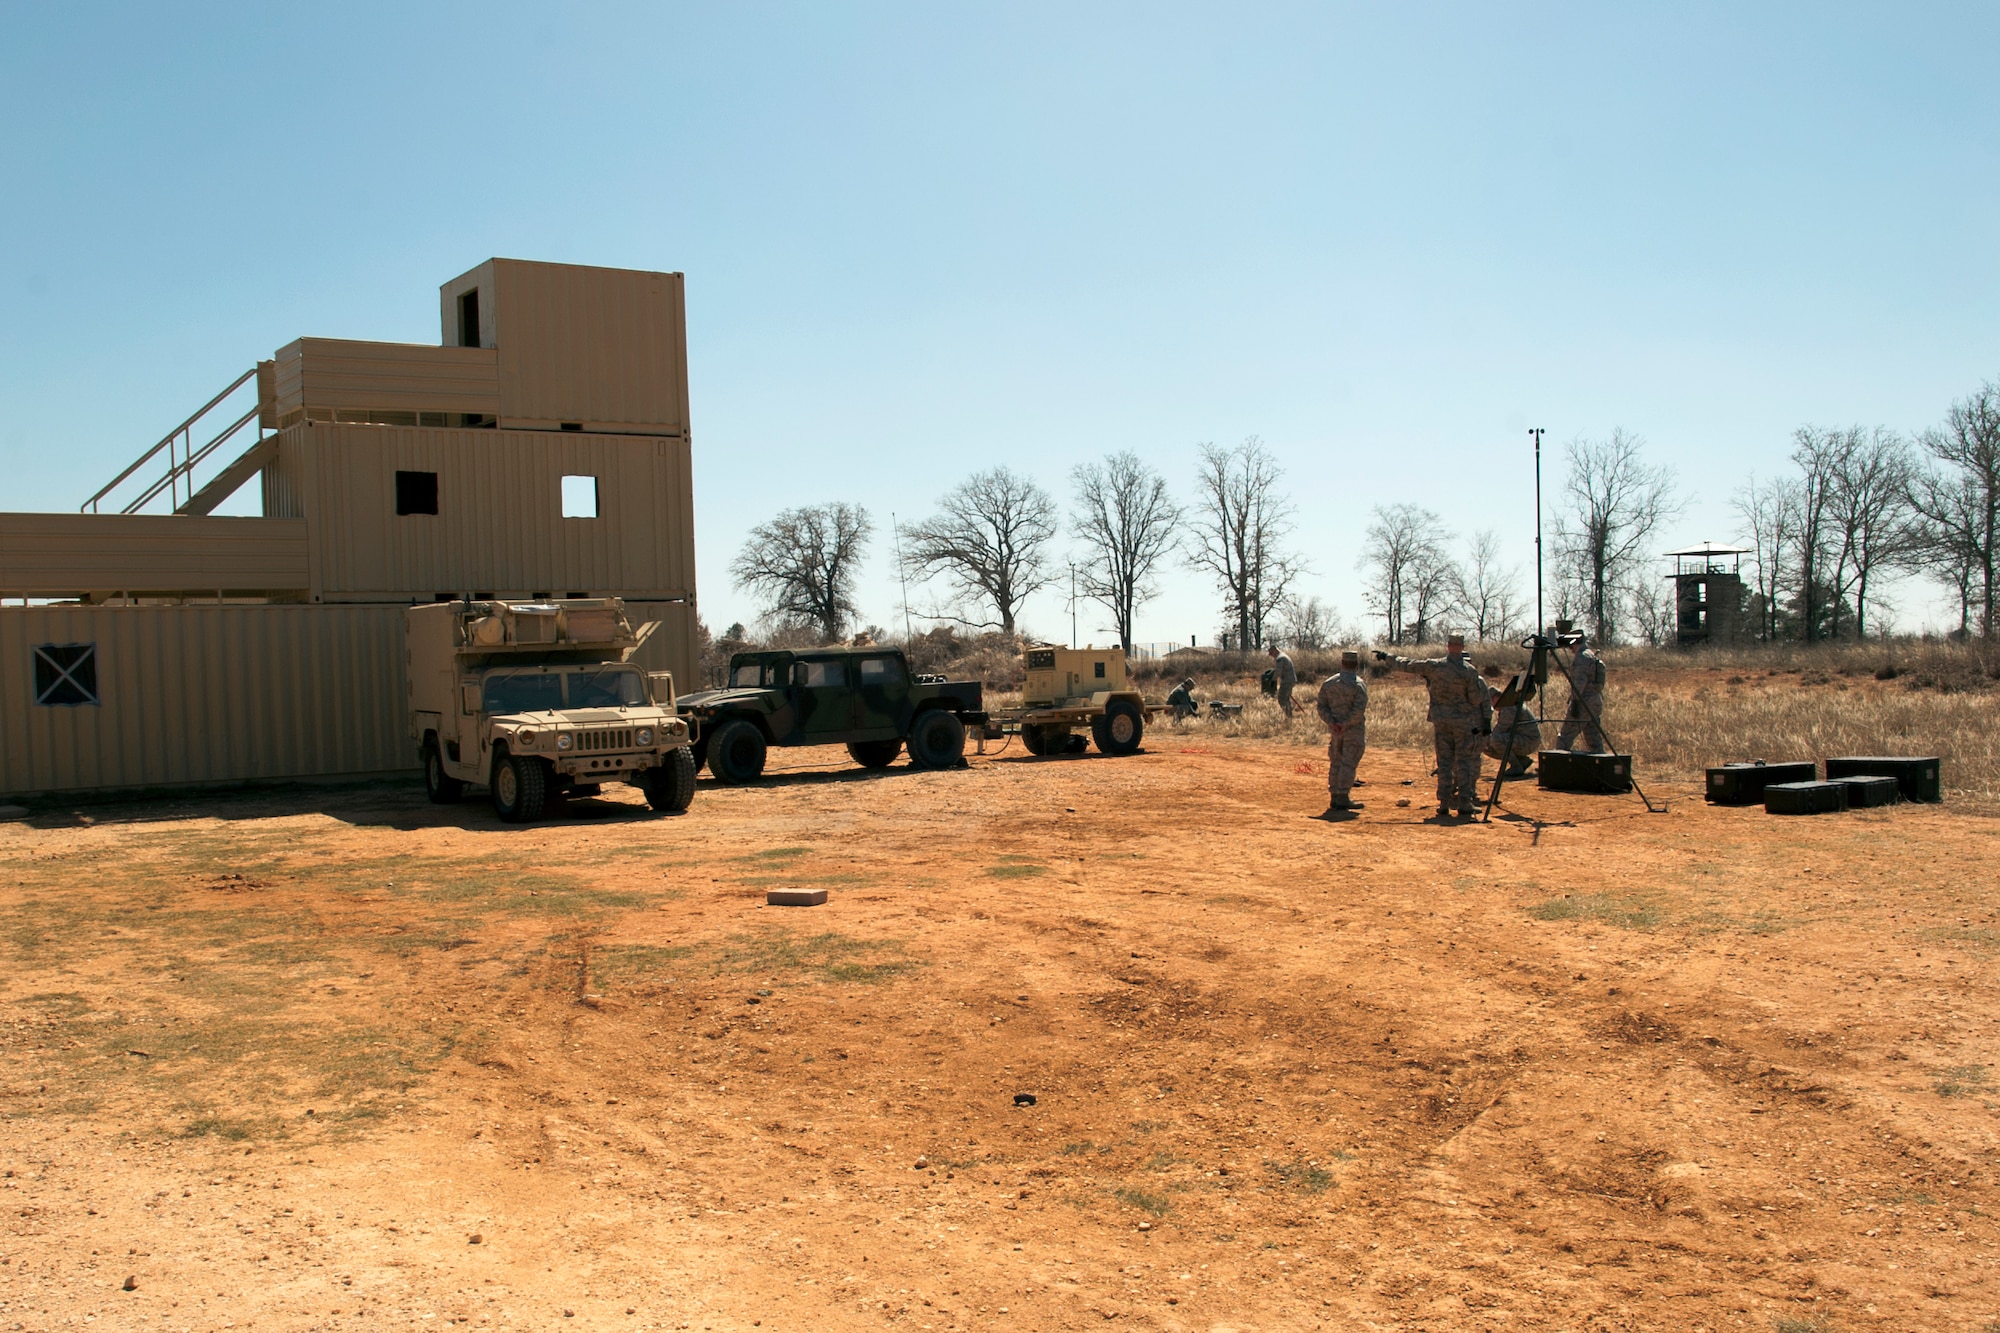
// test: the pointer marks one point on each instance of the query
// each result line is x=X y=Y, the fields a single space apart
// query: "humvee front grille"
x=611 y=738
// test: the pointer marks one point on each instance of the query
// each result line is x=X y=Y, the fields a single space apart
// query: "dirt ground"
x=341 y=1059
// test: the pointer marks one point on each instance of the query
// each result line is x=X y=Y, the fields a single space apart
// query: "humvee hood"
x=715 y=698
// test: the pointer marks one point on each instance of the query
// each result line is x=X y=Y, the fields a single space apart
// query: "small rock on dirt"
x=475 y=1239
x=132 y=1282
x=1024 y=1099
x=795 y=897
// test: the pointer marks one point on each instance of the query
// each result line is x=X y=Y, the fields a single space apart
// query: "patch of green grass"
x=771 y=854
x=618 y=963
x=1977 y=939
x=1163 y=1161
x=1963 y=1081
x=215 y=1126
x=829 y=957
x=1302 y=1176
x=1078 y=1149
x=1612 y=909
x=1017 y=870
x=1156 y=1204
x=1147 y=1126
x=1802 y=1324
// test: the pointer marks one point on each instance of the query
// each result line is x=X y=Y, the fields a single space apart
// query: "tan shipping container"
x=192 y=695
x=329 y=379
x=600 y=348
x=64 y=555
x=499 y=525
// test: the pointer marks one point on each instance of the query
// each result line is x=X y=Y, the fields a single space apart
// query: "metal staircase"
x=177 y=482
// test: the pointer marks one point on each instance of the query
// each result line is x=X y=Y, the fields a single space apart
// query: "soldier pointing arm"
x=1461 y=713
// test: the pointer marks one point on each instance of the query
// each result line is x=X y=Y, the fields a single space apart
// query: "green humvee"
x=864 y=698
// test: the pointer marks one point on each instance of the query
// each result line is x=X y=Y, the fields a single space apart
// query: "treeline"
x=998 y=538
x=1862 y=505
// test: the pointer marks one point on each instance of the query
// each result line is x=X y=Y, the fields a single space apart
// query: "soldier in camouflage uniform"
x=1343 y=706
x=1182 y=700
x=1288 y=676
x=1586 y=700
x=1516 y=726
x=1461 y=716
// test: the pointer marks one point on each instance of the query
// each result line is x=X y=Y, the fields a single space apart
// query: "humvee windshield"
x=752 y=675
x=540 y=692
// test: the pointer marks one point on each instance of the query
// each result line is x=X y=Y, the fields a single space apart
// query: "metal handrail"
x=187 y=465
x=173 y=471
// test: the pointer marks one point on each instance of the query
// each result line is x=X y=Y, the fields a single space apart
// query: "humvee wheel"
x=937 y=740
x=670 y=787
x=876 y=754
x=1121 y=728
x=736 y=753
x=440 y=786
x=520 y=788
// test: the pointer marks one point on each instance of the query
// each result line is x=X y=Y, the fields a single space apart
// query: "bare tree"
x=1958 y=499
x=1404 y=554
x=1822 y=458
x=1128 y=524
x=1489 y=595
x=1870 y=512
x=1309 y=623
x=1241 y=521
x=990 y=540
x=803 y=564
x=1944 y=537
x=1768 y=512
x=1618 y=500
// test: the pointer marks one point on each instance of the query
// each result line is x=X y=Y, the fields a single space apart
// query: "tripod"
x=1526 y=685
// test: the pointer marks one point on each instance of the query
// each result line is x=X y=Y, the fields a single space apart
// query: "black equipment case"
x=1921 y=779
x=1602 y=774
x=1806 y=798
x=1744 y=784
x=1865 y=793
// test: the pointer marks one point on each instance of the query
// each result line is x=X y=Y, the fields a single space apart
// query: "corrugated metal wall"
x=200 y=694
x=499 y=526
x=61 y=555
x=603 y=347
x=338 y=373
x=672 y=647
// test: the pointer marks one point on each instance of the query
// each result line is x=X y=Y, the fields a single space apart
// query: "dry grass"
x=1679 y=714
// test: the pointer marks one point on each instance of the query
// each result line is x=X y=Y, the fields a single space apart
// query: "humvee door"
x=881 y=697
x=822 y=697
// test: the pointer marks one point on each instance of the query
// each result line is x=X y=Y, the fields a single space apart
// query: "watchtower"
x=1708 y=594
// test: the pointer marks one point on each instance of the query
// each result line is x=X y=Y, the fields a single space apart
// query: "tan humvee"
x=537 y=700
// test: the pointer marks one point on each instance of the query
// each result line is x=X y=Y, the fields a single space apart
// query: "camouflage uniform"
x=1518 y=726
x=1343 y=706
x=1586 y=702
x=1461 y=714
x=1288 y=676
x=1182 y=701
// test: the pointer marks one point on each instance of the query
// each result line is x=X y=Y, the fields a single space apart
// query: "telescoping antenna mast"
x=1541 y=626
x=903 y=570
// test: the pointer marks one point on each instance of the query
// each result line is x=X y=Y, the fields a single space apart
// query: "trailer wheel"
x=876 y=754
x=1033 y=740
x=1121 y=728
x=520 y=788
x=736 y=753
x=937 y=740
x=670 y=787
x=440 y=786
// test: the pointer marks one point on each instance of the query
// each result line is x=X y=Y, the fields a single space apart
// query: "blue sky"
x=924 y=240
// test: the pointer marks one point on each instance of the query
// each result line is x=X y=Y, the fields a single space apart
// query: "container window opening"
x=416 y=492
x=579 y=497
x=468 y=318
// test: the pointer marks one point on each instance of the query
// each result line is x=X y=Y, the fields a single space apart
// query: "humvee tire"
x=937 y=740
x=520 y=788
x=440 y=786
x=1121 y=728
x=736 y=753
x=875 y=754
x=670 y=787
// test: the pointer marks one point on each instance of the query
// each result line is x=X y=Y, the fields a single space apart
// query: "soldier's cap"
x=1349 y=655
x=1458 y=639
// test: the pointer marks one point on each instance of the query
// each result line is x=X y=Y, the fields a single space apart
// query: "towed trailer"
x=1070 y=688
